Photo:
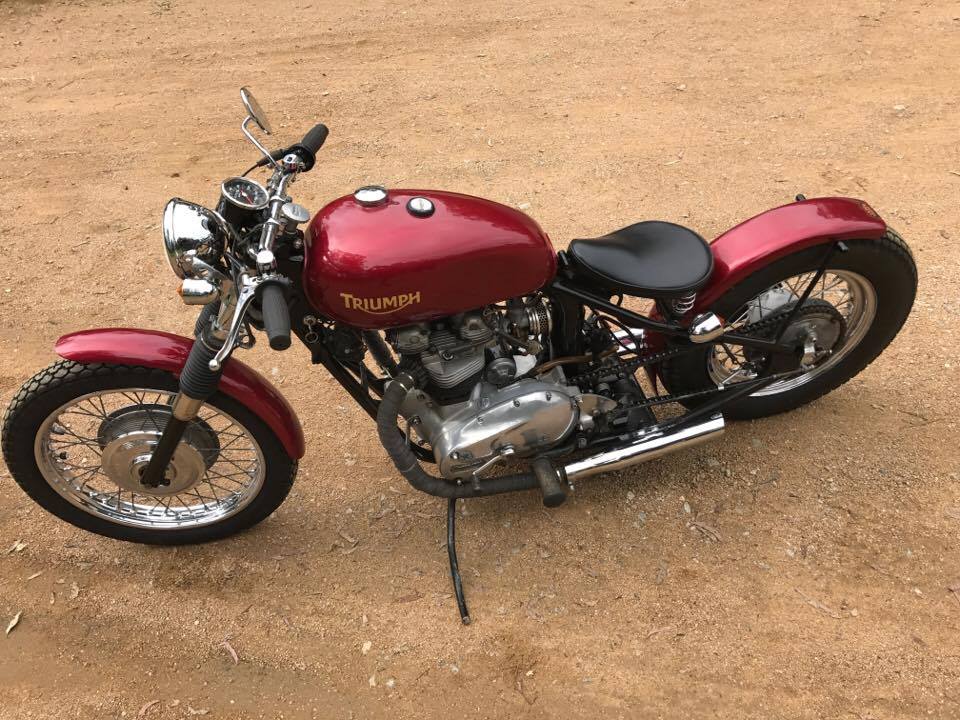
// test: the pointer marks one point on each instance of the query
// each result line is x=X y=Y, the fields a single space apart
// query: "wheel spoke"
x=851 y=295
x=217 y=470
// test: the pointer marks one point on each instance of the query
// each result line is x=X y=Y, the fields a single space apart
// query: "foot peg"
x=553 y=491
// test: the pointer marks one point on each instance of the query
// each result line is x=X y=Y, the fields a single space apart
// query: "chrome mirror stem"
x=246 y=131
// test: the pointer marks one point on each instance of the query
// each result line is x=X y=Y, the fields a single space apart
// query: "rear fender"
x=164 y=351
x=771 y=235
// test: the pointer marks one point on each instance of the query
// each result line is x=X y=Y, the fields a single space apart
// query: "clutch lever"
x=248 y=291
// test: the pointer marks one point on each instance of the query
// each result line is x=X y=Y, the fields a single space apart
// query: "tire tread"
x=890 y=249
x=23 y=468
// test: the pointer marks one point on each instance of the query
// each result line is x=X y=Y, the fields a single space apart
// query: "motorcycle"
x=466 y=337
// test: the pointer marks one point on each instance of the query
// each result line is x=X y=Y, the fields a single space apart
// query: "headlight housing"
x=189 y=230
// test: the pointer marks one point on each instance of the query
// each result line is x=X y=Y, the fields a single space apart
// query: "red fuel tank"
x=397 y=262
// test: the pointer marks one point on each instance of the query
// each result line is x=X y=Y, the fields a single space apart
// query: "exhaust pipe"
x=645 y=445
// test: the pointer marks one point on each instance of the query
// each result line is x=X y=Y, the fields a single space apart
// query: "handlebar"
x=311 y=143
x=306 y=148
x=276 y=156
x=276 y=315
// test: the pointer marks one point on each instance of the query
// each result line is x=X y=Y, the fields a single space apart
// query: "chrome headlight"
x=189 y=230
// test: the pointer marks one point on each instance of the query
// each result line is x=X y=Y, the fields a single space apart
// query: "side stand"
x=452 y=554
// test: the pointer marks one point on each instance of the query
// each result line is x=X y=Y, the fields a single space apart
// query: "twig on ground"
x=229 y=648
x=657 y=631
x=146 y=707
x=708 y=531
x=814 y=603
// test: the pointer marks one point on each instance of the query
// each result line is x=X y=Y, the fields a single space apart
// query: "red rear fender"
x=757 y=242
x=164 y=351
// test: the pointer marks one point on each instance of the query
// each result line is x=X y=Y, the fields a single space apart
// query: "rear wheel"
x=853 y=313
x=77 y=438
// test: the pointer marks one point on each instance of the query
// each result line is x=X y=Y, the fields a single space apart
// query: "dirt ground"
x=826 y=591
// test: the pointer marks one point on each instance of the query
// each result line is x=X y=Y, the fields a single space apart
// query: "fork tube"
x=197 y=383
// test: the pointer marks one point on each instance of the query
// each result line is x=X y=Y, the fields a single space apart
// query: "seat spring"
x=682 y=305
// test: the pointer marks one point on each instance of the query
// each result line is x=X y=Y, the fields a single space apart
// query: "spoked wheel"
x=851 y=315
x=78 y=437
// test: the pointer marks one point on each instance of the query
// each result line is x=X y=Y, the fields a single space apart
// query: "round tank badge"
x=420 y=207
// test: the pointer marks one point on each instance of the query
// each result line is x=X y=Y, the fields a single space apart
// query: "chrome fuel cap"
x=370 y=195
x=420 y=206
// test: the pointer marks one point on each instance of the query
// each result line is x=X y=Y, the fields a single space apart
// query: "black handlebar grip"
x=276 y=315
x=315 y=139
x=311 y=143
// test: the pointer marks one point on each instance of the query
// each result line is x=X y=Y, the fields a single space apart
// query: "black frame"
x=568 y=302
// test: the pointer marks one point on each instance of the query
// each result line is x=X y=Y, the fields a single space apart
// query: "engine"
x=474 y=406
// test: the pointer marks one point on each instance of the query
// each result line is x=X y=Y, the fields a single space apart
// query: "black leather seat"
x=649 y=259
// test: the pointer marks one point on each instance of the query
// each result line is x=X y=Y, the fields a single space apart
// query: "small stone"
x=686 y=508
x=855 y=612
x=917 y=591
x=630 y=496
x=372 y=681
x=899 y=108
x=391 y=683
x=524 y=206
x=681 y=87
x=454 y=669
x=365 y=648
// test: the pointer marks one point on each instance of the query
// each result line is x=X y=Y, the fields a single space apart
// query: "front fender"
x=759 y=241
x=165 y=351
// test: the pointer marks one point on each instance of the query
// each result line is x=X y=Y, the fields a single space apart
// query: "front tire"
x=882 y=271
x=76 y=435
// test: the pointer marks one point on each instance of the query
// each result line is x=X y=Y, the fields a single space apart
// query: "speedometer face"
x=244 y=193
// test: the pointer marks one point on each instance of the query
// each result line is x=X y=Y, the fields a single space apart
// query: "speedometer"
x=244 y=193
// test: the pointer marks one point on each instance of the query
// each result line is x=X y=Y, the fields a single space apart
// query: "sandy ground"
x=826 y=595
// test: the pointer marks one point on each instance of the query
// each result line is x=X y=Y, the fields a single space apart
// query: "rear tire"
x=54 y=388
x=887 y=264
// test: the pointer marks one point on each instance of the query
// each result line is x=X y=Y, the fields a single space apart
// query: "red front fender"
x=164 y=351
x=757 y=242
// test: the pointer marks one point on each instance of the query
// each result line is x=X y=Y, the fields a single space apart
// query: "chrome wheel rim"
x=92 y=449
x=853 y=296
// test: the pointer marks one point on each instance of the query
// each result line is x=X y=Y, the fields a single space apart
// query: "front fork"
x=199 y=378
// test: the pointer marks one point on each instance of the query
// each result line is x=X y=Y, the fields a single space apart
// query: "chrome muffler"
x=645 y=445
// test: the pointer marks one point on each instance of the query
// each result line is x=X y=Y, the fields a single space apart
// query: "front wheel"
x=77 y=437
x=853 y=313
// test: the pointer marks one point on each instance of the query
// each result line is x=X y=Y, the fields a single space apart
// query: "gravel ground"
x=825 y=593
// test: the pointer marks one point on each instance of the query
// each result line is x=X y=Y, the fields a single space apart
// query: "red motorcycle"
x=453 y=322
